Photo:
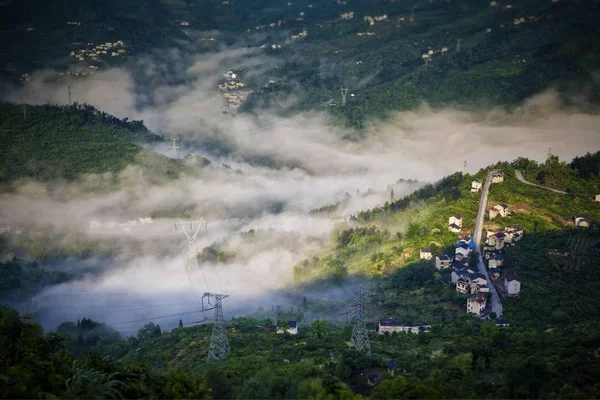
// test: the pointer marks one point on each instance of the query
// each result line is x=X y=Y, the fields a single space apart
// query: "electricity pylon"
x=174 y=147
x=344 y=92
x=191 y=261
x=360 y=337
x=219 y=343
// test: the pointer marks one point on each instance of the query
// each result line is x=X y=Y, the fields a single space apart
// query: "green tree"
x=319 y=328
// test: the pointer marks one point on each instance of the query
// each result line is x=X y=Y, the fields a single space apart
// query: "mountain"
x=545 y=349
x=49 y=142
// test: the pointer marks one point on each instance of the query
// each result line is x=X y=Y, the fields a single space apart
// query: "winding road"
x=520 y=177
x=496 y=302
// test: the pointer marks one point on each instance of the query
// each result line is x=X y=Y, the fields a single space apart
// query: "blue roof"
x=461 y=272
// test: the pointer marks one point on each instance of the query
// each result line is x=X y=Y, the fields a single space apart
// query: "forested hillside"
x=49 y=142
x=548 y=348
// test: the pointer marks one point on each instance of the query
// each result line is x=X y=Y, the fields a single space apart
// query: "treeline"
x=448 y=187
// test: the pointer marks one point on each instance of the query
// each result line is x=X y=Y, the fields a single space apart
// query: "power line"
x=154 y=318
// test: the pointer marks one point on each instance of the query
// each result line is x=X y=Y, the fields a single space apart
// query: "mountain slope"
x=49 y=142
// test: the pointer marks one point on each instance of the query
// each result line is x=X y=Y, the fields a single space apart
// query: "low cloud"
x=316 y=167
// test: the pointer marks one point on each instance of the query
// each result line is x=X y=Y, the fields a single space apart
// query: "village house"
x=498 y=209
x=462 y=251
x=497 y=177
x=476 y=303
x=475 y=186
x=511 y=285
x=581 y=221
x=478 y=279
x=390 y=326
x=292 y=328
x=458 y=274
x=597 y=198
x=463 y=285
x=425 y=254
x=442 y=261
x=396 y=325
x=497 y=240
x=496 y=261
x=455 y=223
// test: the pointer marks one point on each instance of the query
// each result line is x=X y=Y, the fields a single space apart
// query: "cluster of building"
x=230 y=88
x=397 y=325
x=271 y=25
x=76 y=23
x=377 y=18
x=300 y=35
x=115 y=49
x=348 y=15
x=431 y=52
x=365 y=34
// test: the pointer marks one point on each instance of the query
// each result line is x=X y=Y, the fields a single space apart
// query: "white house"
x=425 y=254
x=458 y=274
x=498 y=209
x=597 y=198
x=390 y=326
x=292 y=327
x=497 y=177
x=462 y=249
x=516 y=231
x=475 y=186
x=394 y=325
x=454 y=228
x=581 y=221
x=478 y=279
x=463 y=286
x=456 y=219
x=511 y=285
x=497 y=240
x=495 y=262
x=443 y=261
x=476 y=303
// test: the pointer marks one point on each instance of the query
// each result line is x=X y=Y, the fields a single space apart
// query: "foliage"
x=65 y=142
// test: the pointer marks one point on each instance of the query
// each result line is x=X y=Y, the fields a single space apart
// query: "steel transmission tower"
x=191 y=261
x=174 y=147
x=360 y=338
x=219 y=343
x=344 y=92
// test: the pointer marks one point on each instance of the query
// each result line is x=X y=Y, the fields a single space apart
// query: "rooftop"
x=390 y=322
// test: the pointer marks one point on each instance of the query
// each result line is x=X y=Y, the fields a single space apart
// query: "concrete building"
x=497 y=177
x=498 y=209
x=476 y=303
x=443 y=261
x=475 y=186
x=497 y=240
x=511 y=285
x=425 y=254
